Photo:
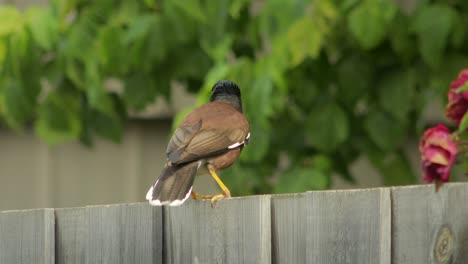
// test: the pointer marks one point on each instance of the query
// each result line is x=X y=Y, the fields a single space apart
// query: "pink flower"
x=457 y=102
x=438 y=152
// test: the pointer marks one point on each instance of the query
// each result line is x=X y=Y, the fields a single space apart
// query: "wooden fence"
x=384 y=225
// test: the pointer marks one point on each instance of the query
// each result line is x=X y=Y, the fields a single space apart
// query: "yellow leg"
x=226 y=193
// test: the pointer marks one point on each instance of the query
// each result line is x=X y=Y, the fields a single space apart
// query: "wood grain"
x=236 y=230
x=411 y=224
x=423 y=220
x=27 y=236
x=127 y=233
x=332 y=227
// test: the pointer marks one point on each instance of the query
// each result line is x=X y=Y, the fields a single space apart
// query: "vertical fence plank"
x=289 y=240
x=70 y=235
x=234 y=231
x=429 y=226
x=414 y=224
x=332 y=227
x=127 y=233
x=27 y=236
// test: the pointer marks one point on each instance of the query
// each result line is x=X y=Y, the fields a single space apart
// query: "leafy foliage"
x=324 y=82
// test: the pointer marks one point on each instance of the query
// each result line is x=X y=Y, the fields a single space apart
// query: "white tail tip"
x=149 y=197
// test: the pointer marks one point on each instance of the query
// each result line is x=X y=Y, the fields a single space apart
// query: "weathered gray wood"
x=71 y=233
x=332 y=227
x=414 y=224
x=27 y=236
x=234 y=231
x=424 y=220
x=127 y=233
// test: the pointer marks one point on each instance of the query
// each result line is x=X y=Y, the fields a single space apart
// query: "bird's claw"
x=225 y=194
x=197 y=196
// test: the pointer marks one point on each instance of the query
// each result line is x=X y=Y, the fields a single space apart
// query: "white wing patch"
x=237 y=144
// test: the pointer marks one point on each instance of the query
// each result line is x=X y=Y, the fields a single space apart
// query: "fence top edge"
x=264 y=196
x=27 y=210
x=446 y=186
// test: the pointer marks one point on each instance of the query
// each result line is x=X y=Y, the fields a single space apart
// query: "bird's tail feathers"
x=174 y=185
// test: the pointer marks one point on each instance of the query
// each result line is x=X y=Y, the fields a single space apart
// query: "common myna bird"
x=209 y=139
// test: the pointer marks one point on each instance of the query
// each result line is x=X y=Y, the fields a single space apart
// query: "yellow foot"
x=217 y=197
x=197 y=196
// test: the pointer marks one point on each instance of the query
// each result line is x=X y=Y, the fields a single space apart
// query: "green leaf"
x=3 y=53
x=63 y=8
x=465 y=167
x=386 y=132
x=402 y=39
x=11 y=20
x=138 y=28
x=458 y=33
x=369 y=22
x=59 y=118
x=80 y=41
x=327 y=127
x=450 y=67
x=463 y=123
x=75 y=71
x=18 y=102
x=108 y=126
x=216 y=73
x=258 y=101
x=191 y=8
x=346 y=5
x=257 y=108
x=354 y=78
x=303 y=90
x=140 y=90
x=327 y=11
x=150 y=3
x=110 y=46
x=394 y=167
x=302 y=179
x=320 y=162
x=396 y=93
x=433 y=24
x=98 y=98
x=196 y=64
x=242 y=72
x=43 y=25
x=290 y=59
x=245 y=180
x=17 y=52
x=342 y=159
x=304 y=39
x=218 y=50
x=259 y=143
x=237 y=6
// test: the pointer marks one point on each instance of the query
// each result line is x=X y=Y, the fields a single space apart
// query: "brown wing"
x=207 y=131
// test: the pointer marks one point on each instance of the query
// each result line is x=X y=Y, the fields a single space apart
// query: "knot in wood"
x=444 y=245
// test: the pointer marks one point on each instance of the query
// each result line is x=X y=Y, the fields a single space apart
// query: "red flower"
x=457 y=102
x=438 y=152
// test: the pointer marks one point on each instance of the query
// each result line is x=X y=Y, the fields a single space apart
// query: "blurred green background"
x=324 y=82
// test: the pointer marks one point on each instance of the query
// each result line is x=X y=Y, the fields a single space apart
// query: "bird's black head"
x=224 y=87
x=228 y=92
